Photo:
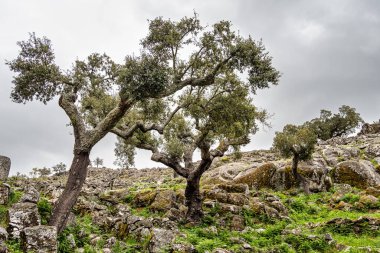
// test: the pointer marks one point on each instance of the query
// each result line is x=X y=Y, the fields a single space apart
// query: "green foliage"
x=98 y=162
x=59 y=168
x=44 y=209
x=129 y=198
x=14 y=197
x=376 y=165
x=125 y=154
x=350 y=198
x=81 y=230
x=14 y=246
x=302 y=243
x=298 y=205
x=3 y=215
x=218 y=57
x=38 y=76
x=330 y=125
x=40 y=172
x=295 y=140
x=144 y=77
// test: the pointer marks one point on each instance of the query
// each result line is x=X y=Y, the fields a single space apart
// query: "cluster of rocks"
x=158 y=232
x=24 y=221
x=343 y=160
x=230 y=189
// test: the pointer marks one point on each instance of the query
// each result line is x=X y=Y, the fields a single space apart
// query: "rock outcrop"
x=4 y=193
x=22 y=215
x=39 y=239
x=5 y=166
x=373 y=128
x=360 y=174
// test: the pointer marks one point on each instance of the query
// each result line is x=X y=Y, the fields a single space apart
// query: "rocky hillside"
x=250 y=204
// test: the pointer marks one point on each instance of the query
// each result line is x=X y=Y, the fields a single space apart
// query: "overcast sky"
x=327 y=51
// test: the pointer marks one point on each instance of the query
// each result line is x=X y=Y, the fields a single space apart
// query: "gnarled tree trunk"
x=300 y=180
x=193 y=200
x=75 y=181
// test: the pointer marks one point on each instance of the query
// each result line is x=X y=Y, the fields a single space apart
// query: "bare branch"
x=199 y=82
x=67 y=103
x=170 y=162
x=125 y=134
x=226 y=143
x=108 y=122
x=160 y=128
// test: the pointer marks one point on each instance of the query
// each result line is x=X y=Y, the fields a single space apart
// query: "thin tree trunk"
x=75 y=181
x=300 y=180
x=193 y=200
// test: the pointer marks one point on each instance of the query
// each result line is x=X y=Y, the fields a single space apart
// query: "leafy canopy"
x=329 y=125
x=295 y=141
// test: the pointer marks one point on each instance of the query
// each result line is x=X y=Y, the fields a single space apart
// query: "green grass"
x=357 y=240
x=14 y=197
x=304 y=210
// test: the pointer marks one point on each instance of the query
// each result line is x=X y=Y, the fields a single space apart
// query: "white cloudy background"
x=327 y=51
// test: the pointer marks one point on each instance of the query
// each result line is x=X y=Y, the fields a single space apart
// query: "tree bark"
x=75 y=181
x=300 y=180
x=193 y=200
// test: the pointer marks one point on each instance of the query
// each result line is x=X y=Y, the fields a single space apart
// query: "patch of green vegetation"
x=145 y=212
x=357 y=240
x=270 y=238
x=14 y=246
x=225 y=159
x=376 y=165
x=129 y=197
x=44 y=209
x=14 y=197
x=81 y=231
x=350 y=198
x=3 y=215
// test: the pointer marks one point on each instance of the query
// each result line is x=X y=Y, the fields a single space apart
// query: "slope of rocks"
x=245 y=201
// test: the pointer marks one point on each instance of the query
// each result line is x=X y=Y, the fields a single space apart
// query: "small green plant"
x=376 y=165
x=14 y=197
x=14 y=246
x=44 y=209
x=3 y=215
x=298 y=205
x=350 y=198
x=129 y=198
x=81 y=231
x=225 y=159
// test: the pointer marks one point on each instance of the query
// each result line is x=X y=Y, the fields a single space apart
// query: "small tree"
x=330 y=125
x=59 y=168
x=297 y=142
x=41 y=172
x=98 y=162
x=125 y=154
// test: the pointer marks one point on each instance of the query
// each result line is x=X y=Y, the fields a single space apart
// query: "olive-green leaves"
x=37 y=76
x=295 y=140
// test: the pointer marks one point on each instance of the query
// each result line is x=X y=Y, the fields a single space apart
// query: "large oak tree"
x=99 y=94
x=208 y=119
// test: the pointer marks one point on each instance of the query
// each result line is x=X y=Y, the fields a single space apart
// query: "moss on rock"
x=257 y=178
x=359 y=174
x=144 y=198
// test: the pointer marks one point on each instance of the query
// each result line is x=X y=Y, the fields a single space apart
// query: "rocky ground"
x=250 y=204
